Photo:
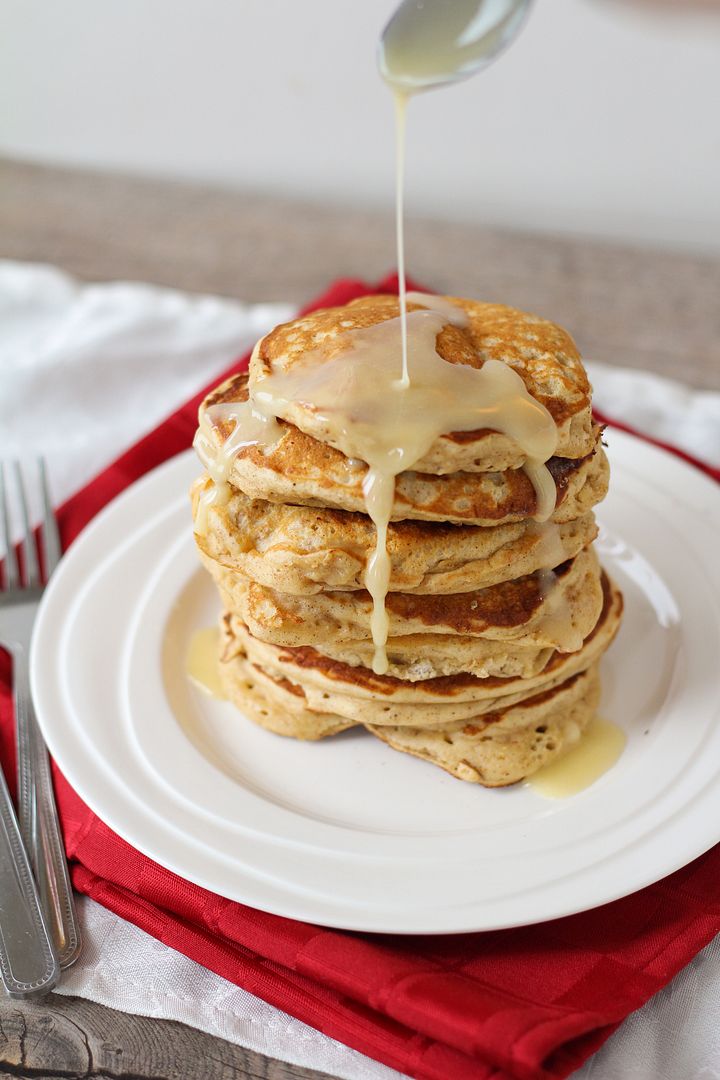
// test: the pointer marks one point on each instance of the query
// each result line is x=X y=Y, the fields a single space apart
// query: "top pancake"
x=542 y=354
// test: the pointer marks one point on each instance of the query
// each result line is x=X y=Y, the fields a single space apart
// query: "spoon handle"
x=28 y=965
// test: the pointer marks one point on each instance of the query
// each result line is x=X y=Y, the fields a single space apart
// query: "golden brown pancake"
x=361 y=696
x=497 y=624
x=542 y=353
x=511 y=744
x=304 y=550
x=493 y=749
x=303 y=471
x=550 y=609
x=283 y=714
x=426 y=656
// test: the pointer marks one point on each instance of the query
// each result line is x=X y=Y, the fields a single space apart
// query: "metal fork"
x=37 y=813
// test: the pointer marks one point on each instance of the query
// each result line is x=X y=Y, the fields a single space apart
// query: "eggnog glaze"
x=365 y=406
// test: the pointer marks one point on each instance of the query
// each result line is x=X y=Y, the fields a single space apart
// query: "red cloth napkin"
x=530 y=1003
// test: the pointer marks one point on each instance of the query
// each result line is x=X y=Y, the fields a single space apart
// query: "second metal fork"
x=37 y=813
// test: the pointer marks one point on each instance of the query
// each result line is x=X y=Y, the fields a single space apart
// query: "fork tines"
x=27 y=546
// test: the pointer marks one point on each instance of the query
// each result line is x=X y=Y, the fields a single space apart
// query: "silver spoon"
x=431 y=43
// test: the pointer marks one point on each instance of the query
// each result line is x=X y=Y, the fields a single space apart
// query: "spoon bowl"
x=429 y=43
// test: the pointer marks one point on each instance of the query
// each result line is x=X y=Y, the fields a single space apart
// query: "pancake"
x=494 y=749
x=550 y=609
x=542 y=353
x=274 y=703
x=359 y=695
x=304 y=550
x=428 y=656
x=300 y=470
x=511 y=744
x=286 y=716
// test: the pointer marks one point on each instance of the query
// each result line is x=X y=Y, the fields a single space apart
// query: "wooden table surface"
x=643 y=308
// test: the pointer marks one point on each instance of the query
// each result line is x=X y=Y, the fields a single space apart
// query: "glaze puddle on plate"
x=202 y=659
x=597 y=750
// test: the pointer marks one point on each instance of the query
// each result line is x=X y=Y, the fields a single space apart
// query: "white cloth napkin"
x=96 y=366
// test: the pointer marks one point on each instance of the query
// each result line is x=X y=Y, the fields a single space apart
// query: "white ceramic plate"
x=346 y=832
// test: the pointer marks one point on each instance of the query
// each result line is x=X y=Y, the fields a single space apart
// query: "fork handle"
x=39 y=822
x=28 y=965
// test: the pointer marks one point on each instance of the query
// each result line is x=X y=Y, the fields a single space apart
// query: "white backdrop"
x=603 y=118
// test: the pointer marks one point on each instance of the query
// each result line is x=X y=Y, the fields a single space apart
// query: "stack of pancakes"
x=497 y=621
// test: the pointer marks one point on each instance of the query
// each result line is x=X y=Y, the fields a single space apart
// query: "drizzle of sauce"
x=555 y=620
x=551 y=551
x=426 y=45
x=594 y=753
x=371 y=415
x=371 y=411
x=453 y=313
x=201 y=662
x=401 y=101
x=250 y=428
